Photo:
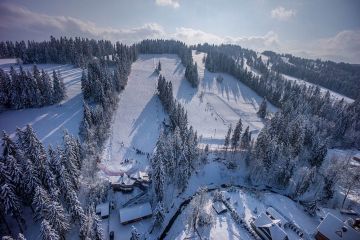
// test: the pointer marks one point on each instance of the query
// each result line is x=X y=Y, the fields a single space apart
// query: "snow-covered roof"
x=219 y=207
x=276 y=215
x=132 y=213
x=140 y=175
x=124 y=180
x=103 y=209
x=264 y=222
x=335 y=229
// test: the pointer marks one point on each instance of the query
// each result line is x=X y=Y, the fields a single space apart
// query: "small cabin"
x=268 y=229
x=135 y=213
x=122 y=183
x=332 y=228
x=103 y=209
x=219 y=207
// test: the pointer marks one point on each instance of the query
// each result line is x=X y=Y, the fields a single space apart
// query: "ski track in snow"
x=49 y=121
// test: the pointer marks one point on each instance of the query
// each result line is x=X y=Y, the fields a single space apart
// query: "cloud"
x=16 y=22
x=171 y=3
x=344 y=46
x=193 y=36
x=20 y=23
x=280 y=13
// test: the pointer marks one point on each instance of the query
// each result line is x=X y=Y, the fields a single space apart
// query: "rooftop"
x=335 y=229
x=132 y=213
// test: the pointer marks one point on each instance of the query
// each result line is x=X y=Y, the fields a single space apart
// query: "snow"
x=135 y=212
x=139 y=116
x=4 y=62
x=103 y=209
x=248 y=203
x=137 y=120
x=50 y=121
x=213 y=106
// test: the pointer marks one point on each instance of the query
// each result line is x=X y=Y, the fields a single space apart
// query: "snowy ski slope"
x=211 y=109
x=50 y=121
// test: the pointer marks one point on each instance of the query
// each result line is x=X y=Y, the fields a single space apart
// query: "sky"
x=326 y=29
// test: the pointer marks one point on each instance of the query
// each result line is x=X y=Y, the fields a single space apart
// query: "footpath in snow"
x=50 y=121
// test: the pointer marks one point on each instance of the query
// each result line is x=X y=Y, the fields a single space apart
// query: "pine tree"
x=58 y=88
x=263 y=109
x=135 y=235
x=11 y=202
x=70 y=158
x=158 y=215
x=158 y=176
x=246 y=139
x=34 y=150
x=47 y=232
x=227 y=138
x=236 y=135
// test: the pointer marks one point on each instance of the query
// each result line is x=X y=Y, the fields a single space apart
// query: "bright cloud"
x=280 y=13
x=193 y=36
x=171 y=3
x=344 y=46
x=15 y=19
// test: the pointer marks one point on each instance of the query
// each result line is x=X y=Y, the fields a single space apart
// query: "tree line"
x=25 y=89
x=77 y=51
x=176 y=149
x=339 y=77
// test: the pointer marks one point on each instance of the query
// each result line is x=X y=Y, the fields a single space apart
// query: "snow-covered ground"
x=247 y=203
x=214 y=105
x=138 y=119
x=50 y=121
x=211 y=109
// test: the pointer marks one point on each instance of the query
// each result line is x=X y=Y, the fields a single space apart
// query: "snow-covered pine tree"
x=246 y=139
x=236 y=135
x=98 y=231
x=227 y=138
x=11 y=159
x=47 y=232
x=159 y=214
x=47 y=91
x=158 y=171
x=262 y=109
x=70 y=158
x=135 y=235
x=58 y=87
x=57 y=217
x=76 y=211
x=34 y=150
x=11 y=202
